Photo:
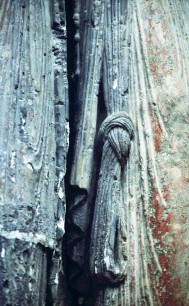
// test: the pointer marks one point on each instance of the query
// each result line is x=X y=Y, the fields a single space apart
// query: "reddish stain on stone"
x=3 y=16
x=153 y=280
x=162 y=225
x=154 y=68
x=157 y=133
x=179 y=233
x=153 y=181
x=165 y=192
x=166 y=284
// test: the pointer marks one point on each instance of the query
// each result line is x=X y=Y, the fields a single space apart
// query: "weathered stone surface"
x=140 y=56
x=33 y=147
x=127 y=207
x=108 y=242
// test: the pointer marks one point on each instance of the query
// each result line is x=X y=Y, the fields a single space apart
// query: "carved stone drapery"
x=143 y=41
x=127 y=213
x=108 y=243
x=96 y=28
x=33 y=147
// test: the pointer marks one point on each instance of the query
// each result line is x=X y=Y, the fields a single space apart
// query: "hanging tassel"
x=108 y=249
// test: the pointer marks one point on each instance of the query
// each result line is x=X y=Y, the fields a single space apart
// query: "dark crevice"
x=101 y=115
x=48 y=253
x=69 y=7
x=73 y=232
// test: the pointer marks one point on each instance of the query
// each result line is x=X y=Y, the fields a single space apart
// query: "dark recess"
x=72 y=83
x=70 y=190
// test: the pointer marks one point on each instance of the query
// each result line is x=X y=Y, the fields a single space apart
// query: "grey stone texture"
x=105 y=223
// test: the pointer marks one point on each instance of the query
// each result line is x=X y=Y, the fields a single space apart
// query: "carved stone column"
x=33 y=148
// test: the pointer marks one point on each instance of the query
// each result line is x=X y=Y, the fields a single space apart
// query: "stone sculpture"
x=124 y=184
x=128 y=61
x=108 y=256
x=91 y=18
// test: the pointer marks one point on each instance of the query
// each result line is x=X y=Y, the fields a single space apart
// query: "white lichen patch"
x=67 y=133
x=95 y=266
x=31 y=271
x=56 y=279
x=23 y=124
x=59 y=187
x=12 y=178
x=29 y=166
x=61 y=176
x=61 y=224
x=61 y=193
x=107 y=259
x=12 y=159
x=115 y=84
x=3 y=253
x=30 y=286
x=28 y=237
x=37 y=210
